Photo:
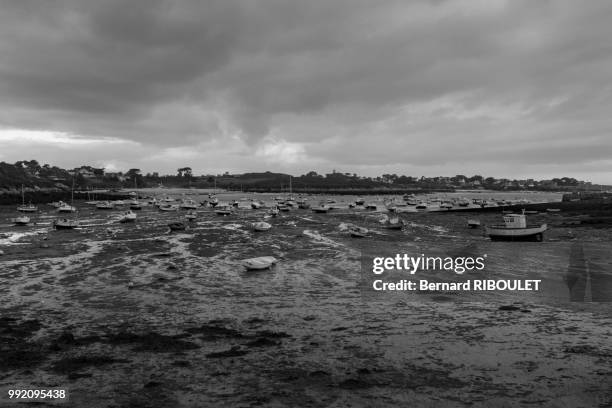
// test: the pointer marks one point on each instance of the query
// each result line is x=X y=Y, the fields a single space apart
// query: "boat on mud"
x=66 y=208
x=128 y=216
x=473 y=223
x=22 y=220
x=515 y=228
x=177 y=226
x=189 y=205
x=191 y=215
x=168 y=207
x=357 y=232
x=321 y=208
x=261 y=226
x=259 y=263
x=135 y=205
x=65 y=224
x=393 y=223
x=223 y=210
x=105 y=205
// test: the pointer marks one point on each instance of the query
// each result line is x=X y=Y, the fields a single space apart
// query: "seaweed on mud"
x=74 y=364
x=587 y=349
x=15 y=350
x=263 y=342
x=235 y=351
x=9 y=326
x=152 y=342
x=214 y=332
x=272 y=334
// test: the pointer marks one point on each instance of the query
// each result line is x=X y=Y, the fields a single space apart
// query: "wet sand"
x=130 y=315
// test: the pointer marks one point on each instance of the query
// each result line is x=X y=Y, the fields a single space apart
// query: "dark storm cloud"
x=418 y=82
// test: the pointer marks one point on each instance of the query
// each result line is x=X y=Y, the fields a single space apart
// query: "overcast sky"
x=504 y=88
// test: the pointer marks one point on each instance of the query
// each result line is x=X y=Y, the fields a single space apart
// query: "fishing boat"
x=321 y=208
x=177 y=226
x=515 y=228
x=128 y=216
x=191 y=215
x=21 y=220
x=26 y=208
x=105 y=205
x=189 y=205
x=223 y=210
x=259 y=263
x=261 y=226
x=357 y=232
x=473 y=223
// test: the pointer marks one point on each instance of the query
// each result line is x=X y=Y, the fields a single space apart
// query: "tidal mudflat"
x=132 y=315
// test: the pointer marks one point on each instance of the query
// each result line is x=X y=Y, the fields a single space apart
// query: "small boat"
x=394 y=223
x=553 y=210
x=360 y=201
x=473 y=223
x=66 y=208
x=168 y=207
x=189 y=205
x=128 y=216
x=153 y=201
x=65 y=224
x=371 y=206
x=26 y=208
x=191 y=215
x=515 y=228
x=357 y=232
x=303 y=205
x=261 y=226
x=463 y=202
x=168 y=199
x=321 y=209
x=214 y=202
x=223 y=210
x=282 y=207
x=421 y=206
x=135 y=205
x=21 y=220
x=177 y=226
x=105 y=205
x=273 y=212
x=256 y=205
x=446 y=205
x=262 y=262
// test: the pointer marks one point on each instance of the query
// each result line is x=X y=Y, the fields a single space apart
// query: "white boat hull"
x=530 y=233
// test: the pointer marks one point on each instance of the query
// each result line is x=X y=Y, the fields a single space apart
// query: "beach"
x=135 y=315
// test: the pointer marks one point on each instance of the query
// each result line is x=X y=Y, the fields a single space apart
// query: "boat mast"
x=22 y=196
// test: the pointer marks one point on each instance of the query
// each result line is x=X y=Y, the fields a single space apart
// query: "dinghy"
x=21 y=220
x=261 y=226
x=262 y=262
